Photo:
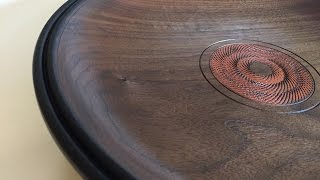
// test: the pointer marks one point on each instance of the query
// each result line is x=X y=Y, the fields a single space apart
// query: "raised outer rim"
x=83 y=154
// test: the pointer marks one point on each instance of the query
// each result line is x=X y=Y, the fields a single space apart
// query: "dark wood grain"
x=128 y=71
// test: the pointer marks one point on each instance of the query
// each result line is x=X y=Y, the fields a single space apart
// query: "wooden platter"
x=183 y=89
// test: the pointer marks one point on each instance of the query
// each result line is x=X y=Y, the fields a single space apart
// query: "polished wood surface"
x=128 y=71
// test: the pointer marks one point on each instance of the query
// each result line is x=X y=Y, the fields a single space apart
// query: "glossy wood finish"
x=125 y=76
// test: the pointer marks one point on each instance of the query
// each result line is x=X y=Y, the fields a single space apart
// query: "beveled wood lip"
x=83 y=154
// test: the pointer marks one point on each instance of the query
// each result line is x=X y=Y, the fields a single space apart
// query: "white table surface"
x=27 y=149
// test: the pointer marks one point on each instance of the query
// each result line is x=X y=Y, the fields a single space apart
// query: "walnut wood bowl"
x=183 y=89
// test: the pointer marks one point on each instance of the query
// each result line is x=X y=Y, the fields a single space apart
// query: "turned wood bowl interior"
x=125 y=82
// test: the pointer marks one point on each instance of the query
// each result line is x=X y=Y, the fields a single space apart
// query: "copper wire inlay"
x=287 y=82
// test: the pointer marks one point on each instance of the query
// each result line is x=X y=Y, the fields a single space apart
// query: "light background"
x=27 y=150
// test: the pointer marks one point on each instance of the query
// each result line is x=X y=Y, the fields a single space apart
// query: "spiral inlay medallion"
x=261 y=74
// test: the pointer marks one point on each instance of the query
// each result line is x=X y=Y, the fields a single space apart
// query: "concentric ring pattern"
x=288 y=81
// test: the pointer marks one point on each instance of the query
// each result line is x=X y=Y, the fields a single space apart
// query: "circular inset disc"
x=261 y=75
